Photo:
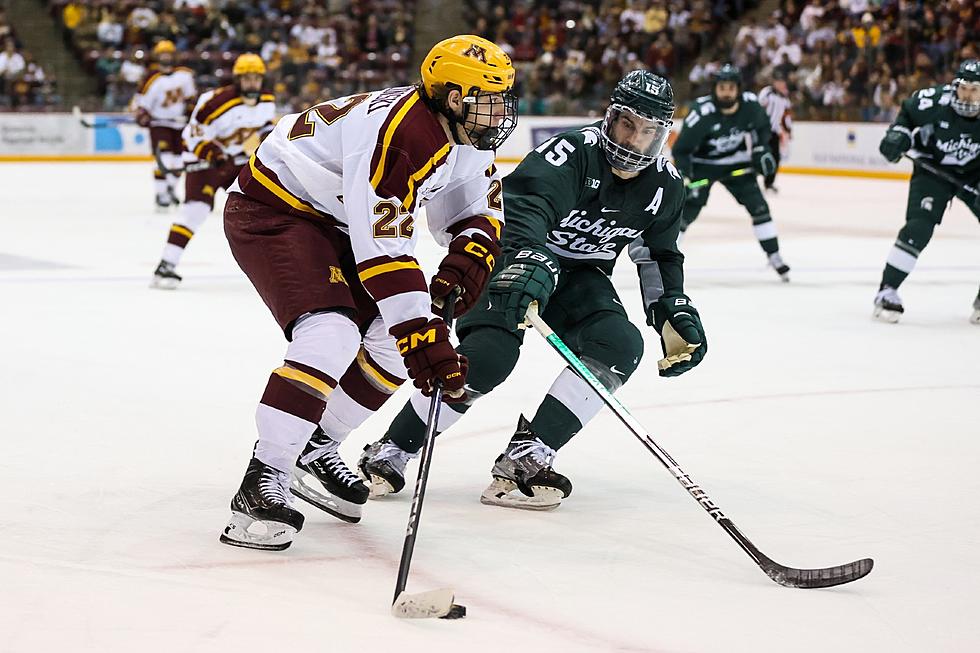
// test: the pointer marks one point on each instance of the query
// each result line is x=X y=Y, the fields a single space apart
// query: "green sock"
x=892 y=276
x=554 y=423
x=407 y=430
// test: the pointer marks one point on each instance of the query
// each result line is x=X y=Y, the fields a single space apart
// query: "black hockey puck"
x=456 y=612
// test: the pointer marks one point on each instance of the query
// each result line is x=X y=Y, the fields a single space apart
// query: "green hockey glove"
x=763 y=161
x=681 y=334
x=531 y=276
x=894 y=145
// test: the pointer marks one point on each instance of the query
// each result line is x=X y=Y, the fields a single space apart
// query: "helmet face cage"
x=624 y=157
x=962 y=107
x=489 y=118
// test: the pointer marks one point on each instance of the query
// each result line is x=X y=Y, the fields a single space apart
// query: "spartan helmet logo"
x=477 y=52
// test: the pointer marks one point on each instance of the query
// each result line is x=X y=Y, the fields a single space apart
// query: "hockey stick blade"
x=815 y=578
x=434 y=604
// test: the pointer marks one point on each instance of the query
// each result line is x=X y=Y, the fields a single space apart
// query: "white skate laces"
x=540 y=453
x=273 y=485
x=395 y=455
x=332 y=461
x=888 y=294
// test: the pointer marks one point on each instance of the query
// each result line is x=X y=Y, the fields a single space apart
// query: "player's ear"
x=454 y=100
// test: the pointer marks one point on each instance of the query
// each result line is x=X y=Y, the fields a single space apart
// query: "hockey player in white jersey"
x=226 y=126
x=322 y=223
x=161 y=105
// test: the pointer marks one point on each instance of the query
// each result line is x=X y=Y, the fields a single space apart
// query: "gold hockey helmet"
x=248 y=63
x=164 y=47
x=484 y=74
x=470 y=62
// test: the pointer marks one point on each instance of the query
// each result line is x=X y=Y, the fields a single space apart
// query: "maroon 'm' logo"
x=477 y=52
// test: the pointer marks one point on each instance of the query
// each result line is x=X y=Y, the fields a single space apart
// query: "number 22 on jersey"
x=328 y=112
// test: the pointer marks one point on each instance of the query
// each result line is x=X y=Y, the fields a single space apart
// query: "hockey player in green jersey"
x=571 y=207
x=723 y=134
x=941 y=125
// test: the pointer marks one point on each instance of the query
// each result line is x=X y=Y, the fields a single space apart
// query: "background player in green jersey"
x=724 y=133
x=572 y=205
x=941 y=125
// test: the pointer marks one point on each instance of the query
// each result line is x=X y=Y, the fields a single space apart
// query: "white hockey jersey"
x=165 y=95
x=366 y=163
x=222 y=119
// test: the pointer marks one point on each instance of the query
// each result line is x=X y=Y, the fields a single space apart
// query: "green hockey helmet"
x=727 y=73
x=966 y=89
x=638 y=120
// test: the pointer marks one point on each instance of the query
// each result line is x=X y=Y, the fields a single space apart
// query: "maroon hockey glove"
x=211 y=151
x=143 y=118
x=468 y=266
x=429 y=356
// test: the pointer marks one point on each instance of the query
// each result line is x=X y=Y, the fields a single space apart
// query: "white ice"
x=127 y=420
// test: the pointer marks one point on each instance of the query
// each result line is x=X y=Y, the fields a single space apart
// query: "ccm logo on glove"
x=414 y=340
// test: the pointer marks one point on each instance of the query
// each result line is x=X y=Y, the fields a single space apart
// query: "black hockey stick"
x=436 y=603
x=786 y=576
x=942 y=174
x=103 y=122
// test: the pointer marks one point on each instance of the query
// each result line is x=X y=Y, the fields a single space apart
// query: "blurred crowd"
x=851 y=59
x=569 y=53
x=842 y=59
x=24 y=85
x=314 y=49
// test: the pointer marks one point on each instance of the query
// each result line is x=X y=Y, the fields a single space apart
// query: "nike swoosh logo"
x=605 y=210
x=615 y=371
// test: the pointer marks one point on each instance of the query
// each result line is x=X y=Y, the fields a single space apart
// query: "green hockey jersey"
x=709 y=137
x=565 y=197
x=939 y=133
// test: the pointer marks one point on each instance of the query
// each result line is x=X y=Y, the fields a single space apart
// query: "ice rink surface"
x=128 y=422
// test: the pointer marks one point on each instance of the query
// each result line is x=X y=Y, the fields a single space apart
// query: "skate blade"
x=505 y=494
x=885 y=315
x=434 y=604
x=319 y=497
x=378 y=486
x=161 y=283
x=245 y=531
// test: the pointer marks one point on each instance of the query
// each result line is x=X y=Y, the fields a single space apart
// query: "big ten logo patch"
x=336 y=276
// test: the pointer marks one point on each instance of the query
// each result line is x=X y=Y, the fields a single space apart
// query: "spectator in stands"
x=11 y=66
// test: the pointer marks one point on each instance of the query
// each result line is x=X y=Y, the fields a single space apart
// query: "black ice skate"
x=779 y=265
x=322 y=479
x=975 y=318
x=382 y=466
x=888 y=305
x=261 y=517
x=165 y=277
x=526 y=466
